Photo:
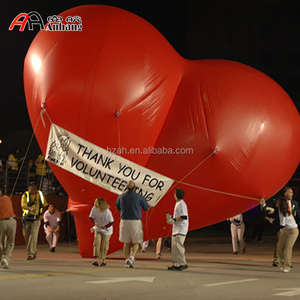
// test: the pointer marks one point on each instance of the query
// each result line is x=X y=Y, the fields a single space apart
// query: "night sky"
x=264 y=34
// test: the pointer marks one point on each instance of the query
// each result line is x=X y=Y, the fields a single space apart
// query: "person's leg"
x=55 y=239
x=144 y=245
x=96 y=248
x=127 y=248
x=11 y=227
x=135 y=248
x=292 y=235
x=104 y=247
x=28 y=238
x=96 y=245
x=124 y=237
x=234 y=233
x=240 y=234
x=158 y=247
x=176 y=251
x=137 y=236
x=260 y=231
x=168 y=244
x=2 y=241
x=181 y=250
x=34 y=237
x=276 y=254
x=128 y=262
x=48 y=235
x=281 y=245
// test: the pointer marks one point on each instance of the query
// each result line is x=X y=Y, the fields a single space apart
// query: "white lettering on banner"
x=101 y=167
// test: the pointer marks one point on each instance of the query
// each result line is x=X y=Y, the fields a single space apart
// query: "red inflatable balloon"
x=119 y=84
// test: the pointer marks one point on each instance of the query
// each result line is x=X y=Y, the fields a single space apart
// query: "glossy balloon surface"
x=119 y=84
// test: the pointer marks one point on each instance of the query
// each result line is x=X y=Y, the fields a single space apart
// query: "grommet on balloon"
x=214 y=151
x=117 y=114
x=43 y=107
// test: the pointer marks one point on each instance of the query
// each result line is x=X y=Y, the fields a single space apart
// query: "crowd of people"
x=130 y=204
x=33 y=204
x=283 y=214
x=16 y=173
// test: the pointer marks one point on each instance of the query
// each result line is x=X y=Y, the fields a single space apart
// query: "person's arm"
x=107 y=225
x=296 y=212
x=24 y=203
x=266 y=210
x=47 y=225
x=57 y=228
x=45 y=204
x=269 y=212
x=181 y=218
x=118 y=204
x=144 y=204
x=237 y=221
x=170 y=219
x=111 y=220
x=58 y=221
x=46 y=221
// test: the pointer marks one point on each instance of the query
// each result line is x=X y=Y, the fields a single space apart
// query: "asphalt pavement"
x=213 y=273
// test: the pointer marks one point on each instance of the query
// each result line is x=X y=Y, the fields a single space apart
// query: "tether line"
x=216 y=191
x=26 y=153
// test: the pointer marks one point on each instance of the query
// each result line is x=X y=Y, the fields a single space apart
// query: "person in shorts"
x=131 y=204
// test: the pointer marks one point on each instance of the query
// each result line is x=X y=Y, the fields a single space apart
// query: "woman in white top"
x=102 y=219
x=288 y=211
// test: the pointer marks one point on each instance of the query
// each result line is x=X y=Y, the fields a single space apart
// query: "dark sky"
x=264 y=34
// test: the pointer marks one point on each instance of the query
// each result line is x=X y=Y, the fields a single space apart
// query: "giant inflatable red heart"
x=233 y=132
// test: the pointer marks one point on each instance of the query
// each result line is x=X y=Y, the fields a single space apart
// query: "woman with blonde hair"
x=102 y=220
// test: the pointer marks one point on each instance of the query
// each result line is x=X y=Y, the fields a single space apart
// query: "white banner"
x=101 y=167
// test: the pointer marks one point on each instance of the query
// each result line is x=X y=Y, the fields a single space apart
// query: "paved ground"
x=214 y=273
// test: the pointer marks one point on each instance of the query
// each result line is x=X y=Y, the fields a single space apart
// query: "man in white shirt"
x=180 y=229
x=52 y=220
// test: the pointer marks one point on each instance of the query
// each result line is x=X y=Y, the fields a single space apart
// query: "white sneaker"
x=5 y=264
x=131 y=261
x=286 y=270
x=127 y=263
